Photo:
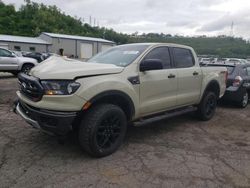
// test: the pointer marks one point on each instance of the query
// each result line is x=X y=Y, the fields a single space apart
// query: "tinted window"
x=162 y=54
x=243 y=71
x=230 y=70
x=248 y=71
x=17 y=48
x=32 y=49
x=5 y=53
x=183 y=58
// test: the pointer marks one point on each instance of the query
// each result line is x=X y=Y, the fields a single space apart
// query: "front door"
x=7 y=60
x=158 y=88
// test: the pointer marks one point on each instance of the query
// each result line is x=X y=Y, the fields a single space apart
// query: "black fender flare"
x=210 y=85
x=118 y=93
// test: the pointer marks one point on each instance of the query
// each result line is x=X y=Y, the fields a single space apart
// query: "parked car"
x=207 y=60
x=238 y=83
x=126 y=83
x=231 y=60
x=36 y=55
x=10 y=62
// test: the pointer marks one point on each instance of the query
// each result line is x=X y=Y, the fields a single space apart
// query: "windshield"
x=120 y=55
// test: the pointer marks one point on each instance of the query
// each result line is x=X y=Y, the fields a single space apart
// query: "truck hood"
x=64 y=68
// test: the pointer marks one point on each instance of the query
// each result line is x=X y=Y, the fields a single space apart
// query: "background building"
x=76 y=46
x=73 y=46
x=26 y=44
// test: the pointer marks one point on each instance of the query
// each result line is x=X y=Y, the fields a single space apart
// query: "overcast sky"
x=184 y=17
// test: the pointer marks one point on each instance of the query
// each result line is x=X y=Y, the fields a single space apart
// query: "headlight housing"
x=60 y=87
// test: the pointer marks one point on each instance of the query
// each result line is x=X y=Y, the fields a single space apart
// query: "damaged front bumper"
x=56 y=122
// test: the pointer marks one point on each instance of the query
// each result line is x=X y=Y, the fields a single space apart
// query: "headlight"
x=65 y=87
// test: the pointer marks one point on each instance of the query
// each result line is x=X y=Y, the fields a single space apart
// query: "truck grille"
x=30 y=87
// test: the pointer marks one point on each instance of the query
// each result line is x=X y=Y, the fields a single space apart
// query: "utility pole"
x=90 y=21
x=232 y=30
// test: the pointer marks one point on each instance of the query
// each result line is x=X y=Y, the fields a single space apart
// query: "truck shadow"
x=153 y=128
x=135 y=134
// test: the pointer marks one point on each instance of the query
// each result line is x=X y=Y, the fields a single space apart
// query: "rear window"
x=230 y=70
x=183 y=58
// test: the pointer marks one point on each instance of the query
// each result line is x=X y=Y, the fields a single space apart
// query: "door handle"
x=171 y=76
x=195 y=73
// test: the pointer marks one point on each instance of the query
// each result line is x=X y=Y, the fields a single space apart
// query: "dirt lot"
x=178 y=152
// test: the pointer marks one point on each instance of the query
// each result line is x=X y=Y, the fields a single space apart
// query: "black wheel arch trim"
x=121 y=94
x=27 y=63
x=212 y=82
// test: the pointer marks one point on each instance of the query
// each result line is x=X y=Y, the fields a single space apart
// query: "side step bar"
x=164 y=115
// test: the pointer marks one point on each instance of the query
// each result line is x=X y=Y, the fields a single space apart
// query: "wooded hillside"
x=33 y=18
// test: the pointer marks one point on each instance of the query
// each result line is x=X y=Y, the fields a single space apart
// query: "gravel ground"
x=177 y=152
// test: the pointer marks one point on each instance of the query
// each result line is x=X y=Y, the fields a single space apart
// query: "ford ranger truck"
x=127 y=83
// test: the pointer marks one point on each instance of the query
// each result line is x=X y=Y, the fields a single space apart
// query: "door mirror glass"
x=151 y=64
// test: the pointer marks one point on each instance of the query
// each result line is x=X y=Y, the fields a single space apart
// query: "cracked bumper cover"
x=56 y=122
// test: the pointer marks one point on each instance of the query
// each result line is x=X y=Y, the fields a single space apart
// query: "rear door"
x=7 y=60
x=189 y=76
x=158 y=88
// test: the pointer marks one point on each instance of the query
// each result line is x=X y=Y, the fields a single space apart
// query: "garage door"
x=105 y=47
x=86 y=50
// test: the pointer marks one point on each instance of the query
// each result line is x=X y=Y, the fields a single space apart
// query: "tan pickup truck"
x=127 y=83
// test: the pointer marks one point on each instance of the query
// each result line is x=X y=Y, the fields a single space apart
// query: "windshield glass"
x=120 y=55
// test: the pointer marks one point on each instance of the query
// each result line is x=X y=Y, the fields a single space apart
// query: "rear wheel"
x=244 y=100
x=207 y=106
x=102 y=130
x=26 y=68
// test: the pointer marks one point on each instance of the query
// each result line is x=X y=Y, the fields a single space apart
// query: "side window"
x=32 y=49
x=183 y=58
x=244 y=72
x=161 y=53
x=5 y=53
x=248 y=71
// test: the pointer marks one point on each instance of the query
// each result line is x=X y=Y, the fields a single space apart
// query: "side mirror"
x=151 y=64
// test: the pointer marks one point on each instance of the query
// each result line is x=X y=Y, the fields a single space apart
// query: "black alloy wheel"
x=108 y=131
x=102 y=130
x=244 y=100
x=210 y=105
x=207 y=106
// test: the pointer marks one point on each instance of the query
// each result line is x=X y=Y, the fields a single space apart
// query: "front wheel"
x=207 y=106
x=26 y=68
x=102 y=130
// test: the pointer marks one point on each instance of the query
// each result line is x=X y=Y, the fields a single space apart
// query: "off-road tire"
x=96 y=124
x=207 y=106
x=26 y=68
